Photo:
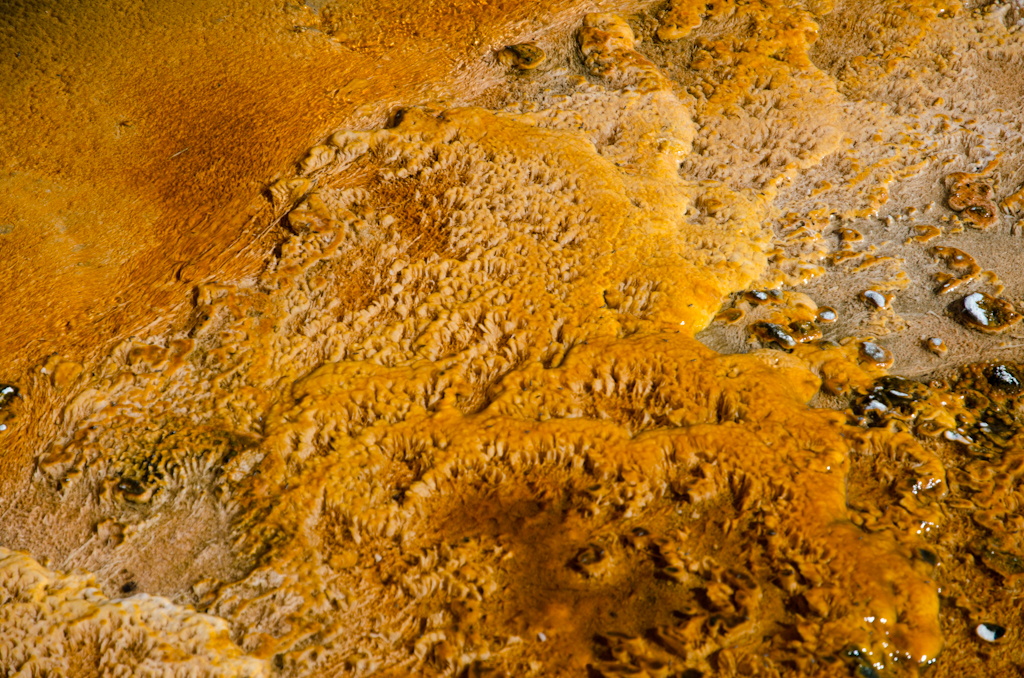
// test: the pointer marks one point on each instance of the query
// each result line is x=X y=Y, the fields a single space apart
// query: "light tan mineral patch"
x=63 y=625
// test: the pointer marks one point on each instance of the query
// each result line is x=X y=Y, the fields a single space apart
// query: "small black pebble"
x=129 y=587
x=866 y=671
x=640 y=532
x=928 y=556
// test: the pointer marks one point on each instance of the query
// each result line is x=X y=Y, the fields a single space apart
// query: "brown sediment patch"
x=959 y=262
x=971 y=195
x=526 y=56
x=985 y=313
x=926 y=233
x=730 y=315
x=1013 y=203
x=679 y=18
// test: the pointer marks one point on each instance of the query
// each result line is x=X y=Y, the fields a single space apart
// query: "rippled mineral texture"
x=512 y=338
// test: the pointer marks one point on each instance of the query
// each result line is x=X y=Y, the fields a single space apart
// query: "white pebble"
x=956 y=437
x=874 y=351
x=876 y=298
x=990 y=632
x=974 y=309
x=876 y=406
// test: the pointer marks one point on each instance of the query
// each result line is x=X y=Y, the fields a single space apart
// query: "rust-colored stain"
x=511 y=339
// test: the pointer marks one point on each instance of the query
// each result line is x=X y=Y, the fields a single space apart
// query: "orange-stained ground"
x=547 y=339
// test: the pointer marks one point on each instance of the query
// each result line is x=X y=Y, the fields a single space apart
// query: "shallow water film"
x=492 y=338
